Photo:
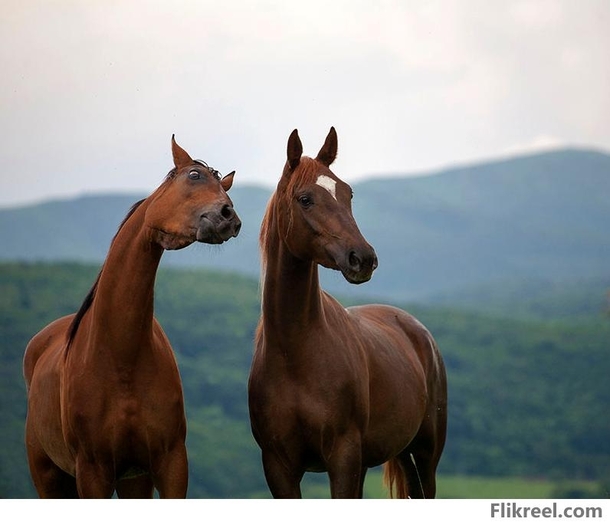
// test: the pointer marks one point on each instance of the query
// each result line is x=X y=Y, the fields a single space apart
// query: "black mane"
x=91 y=295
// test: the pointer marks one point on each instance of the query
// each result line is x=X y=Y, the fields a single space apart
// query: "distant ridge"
x=538 y=216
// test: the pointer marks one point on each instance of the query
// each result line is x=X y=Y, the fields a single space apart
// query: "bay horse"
x=332 y=389
x=105 y=403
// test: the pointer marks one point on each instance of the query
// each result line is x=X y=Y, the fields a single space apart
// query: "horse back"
x=394 y=334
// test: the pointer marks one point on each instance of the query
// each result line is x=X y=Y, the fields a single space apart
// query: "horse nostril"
x=354 y=260
x=227 y=212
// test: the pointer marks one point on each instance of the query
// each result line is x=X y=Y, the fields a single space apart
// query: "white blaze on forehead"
x=328 y=184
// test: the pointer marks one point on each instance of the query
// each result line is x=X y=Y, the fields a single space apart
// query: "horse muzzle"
x=218 y=226
x=359 y=265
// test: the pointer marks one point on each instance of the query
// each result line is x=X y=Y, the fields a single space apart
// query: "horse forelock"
x=306 y=172
x=172 y=173
x=88 y=301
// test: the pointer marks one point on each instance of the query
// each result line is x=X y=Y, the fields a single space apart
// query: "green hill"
x=528 y=397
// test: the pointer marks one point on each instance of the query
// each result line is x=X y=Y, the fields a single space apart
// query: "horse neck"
x=292 y=301
x=122 y=312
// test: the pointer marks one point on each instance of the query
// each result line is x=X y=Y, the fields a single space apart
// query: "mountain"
x=542 y=217
x=81 y=229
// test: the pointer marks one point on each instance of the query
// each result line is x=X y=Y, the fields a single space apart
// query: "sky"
x=92 y=91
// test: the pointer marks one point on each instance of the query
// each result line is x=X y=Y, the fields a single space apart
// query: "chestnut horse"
x=105 y=402
x=334 y=389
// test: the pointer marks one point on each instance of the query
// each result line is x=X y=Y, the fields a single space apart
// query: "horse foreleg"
x=171 y=475
x=93 y=480
x=345 y=472
x=49 y=480
x=283 y=480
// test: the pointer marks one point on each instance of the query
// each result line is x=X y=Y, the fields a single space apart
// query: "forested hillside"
x=528 y=394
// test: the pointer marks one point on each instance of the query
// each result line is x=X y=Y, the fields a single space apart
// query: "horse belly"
x=397 y=407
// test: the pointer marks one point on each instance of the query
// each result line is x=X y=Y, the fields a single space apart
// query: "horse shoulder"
x=52 y=338
x=43 y=366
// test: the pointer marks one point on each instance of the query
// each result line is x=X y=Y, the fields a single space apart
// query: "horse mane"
x=88 y=301
x=306 y=172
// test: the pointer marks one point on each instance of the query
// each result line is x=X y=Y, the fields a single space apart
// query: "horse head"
x=316 y=219
x=192 y=205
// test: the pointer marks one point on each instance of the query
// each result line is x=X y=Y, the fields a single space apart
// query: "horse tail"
x=395 y=478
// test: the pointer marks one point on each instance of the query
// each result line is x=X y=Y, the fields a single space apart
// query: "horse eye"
x=305 y=200
x=193 y=174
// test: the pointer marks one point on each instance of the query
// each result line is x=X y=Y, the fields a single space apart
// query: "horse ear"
x=294 y=149
x=227 y=181
x=181 y=157
x=328 y=152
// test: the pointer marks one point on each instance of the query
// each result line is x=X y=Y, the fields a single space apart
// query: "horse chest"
x=125 y=410
x=307 y=406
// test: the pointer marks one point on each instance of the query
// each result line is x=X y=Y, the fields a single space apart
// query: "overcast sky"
x=91 y=91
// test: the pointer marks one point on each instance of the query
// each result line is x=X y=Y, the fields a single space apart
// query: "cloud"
x=94 y=90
